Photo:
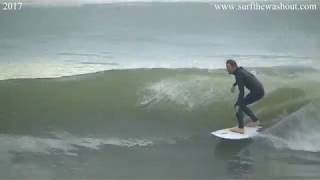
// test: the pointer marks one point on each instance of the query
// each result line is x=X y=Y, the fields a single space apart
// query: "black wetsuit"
x=248 y=80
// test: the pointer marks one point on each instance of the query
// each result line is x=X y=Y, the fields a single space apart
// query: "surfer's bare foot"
x=253 y=124
x=237 y=130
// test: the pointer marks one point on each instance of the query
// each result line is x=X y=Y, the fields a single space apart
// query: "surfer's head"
x=231 y=66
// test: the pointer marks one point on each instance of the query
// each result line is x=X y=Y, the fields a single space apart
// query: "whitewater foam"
x=63 y=143
x=298 y=131
x=190 y=91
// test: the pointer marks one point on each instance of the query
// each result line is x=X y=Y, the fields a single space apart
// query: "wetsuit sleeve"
x=240 y=83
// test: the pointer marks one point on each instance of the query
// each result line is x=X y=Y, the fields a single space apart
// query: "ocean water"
x=132 y=90
x=75 y=40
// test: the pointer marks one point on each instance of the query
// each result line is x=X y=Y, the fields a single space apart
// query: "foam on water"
x=191 y=92
x=63 y=143
x=298 y=131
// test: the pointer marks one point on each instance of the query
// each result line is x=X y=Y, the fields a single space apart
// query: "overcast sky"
x=79 y=2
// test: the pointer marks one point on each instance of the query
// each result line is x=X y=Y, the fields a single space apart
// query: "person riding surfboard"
x=244 y=79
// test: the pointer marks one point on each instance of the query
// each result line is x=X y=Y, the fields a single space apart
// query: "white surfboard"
x=249 y=132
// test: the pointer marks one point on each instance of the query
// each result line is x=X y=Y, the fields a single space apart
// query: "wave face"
x=152 y=102
x=97 y=125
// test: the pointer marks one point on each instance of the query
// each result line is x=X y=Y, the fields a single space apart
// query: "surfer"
x=245 y=79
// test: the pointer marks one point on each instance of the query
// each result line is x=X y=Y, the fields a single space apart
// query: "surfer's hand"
x=235 y=106
x=232 y=89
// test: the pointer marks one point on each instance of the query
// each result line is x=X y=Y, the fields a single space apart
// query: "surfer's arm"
x=233 y=87
x=241 y=90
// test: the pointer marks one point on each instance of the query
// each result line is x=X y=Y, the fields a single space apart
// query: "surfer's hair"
x=232 y=62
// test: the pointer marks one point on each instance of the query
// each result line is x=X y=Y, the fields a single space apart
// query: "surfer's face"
x=230 y=68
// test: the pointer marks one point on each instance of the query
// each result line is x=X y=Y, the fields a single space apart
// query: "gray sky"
x=79 y=2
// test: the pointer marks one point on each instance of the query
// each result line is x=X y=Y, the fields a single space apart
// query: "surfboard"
x=249 y=132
